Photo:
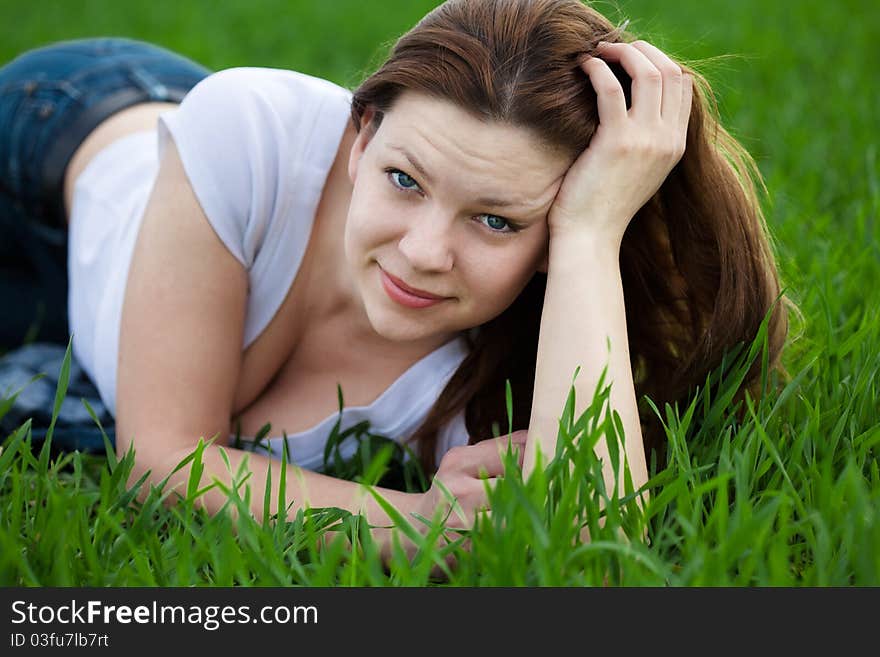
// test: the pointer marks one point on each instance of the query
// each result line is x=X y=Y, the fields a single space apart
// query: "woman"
x=476 y=211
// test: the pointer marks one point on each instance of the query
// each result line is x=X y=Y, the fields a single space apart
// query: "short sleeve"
x=257 y=145
x=228 y=133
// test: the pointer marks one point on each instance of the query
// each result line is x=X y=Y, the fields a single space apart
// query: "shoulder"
x=265 y=110
x=273 y=88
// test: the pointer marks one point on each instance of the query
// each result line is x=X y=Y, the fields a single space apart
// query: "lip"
x=405 y=295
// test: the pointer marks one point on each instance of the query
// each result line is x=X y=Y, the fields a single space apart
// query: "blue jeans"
x=51 y=98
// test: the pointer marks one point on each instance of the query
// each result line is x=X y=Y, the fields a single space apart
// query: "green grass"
x=789 y=496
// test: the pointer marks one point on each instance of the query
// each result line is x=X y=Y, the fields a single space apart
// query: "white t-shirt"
x=257 y=145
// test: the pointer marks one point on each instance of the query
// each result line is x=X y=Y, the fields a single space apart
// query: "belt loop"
x=155 y=89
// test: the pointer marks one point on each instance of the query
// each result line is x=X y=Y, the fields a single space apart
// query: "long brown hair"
x=696 y=261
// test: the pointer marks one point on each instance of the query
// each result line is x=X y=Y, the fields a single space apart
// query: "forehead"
x=458 y=149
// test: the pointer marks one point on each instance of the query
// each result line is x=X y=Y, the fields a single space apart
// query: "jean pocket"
x=29 y=112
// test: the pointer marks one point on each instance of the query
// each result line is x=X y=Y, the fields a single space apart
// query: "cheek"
x=496 y=282
x=370 y=222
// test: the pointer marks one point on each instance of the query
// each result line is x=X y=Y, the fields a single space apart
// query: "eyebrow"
x=493 y=202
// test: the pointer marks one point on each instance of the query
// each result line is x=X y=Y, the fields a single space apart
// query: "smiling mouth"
x=403 y=295
x=412 y=290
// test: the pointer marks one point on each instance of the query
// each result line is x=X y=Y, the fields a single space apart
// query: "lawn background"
x=796 y=83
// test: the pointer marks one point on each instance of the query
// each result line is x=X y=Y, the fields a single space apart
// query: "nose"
x=427 y=242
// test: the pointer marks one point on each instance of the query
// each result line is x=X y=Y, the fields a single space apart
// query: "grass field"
x=789 y=497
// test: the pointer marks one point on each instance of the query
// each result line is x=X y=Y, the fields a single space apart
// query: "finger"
x=684 y=115
x=647 y=82
x=514 y=442
x=670 y=105
x=461 y=516
x=485 y=458
x=609 y=94
x=517 y=451
x=518 y=448
x=466 y=524
x=484 y=463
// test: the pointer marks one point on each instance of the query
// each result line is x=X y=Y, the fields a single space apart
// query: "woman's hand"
x=633 y=150
x=463 y=471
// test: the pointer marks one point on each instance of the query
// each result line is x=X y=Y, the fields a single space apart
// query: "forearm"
x=583 y=310
x=303 y=488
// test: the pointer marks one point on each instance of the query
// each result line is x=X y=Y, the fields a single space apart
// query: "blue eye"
x=403 y=181
x=497 y=224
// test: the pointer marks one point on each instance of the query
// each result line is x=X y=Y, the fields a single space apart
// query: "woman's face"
x=447 y=205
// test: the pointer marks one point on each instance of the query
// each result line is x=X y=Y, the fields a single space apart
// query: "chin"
x=395 y=330
x=397 y=327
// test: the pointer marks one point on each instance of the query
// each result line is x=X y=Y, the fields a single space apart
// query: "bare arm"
x=303 y=488
x=627 y=160
x=583 y=309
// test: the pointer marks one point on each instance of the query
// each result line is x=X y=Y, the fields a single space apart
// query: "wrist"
x=408 y=505
x=601 y=226
x=579 y=246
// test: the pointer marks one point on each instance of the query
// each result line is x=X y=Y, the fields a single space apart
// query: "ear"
x=365 y=134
